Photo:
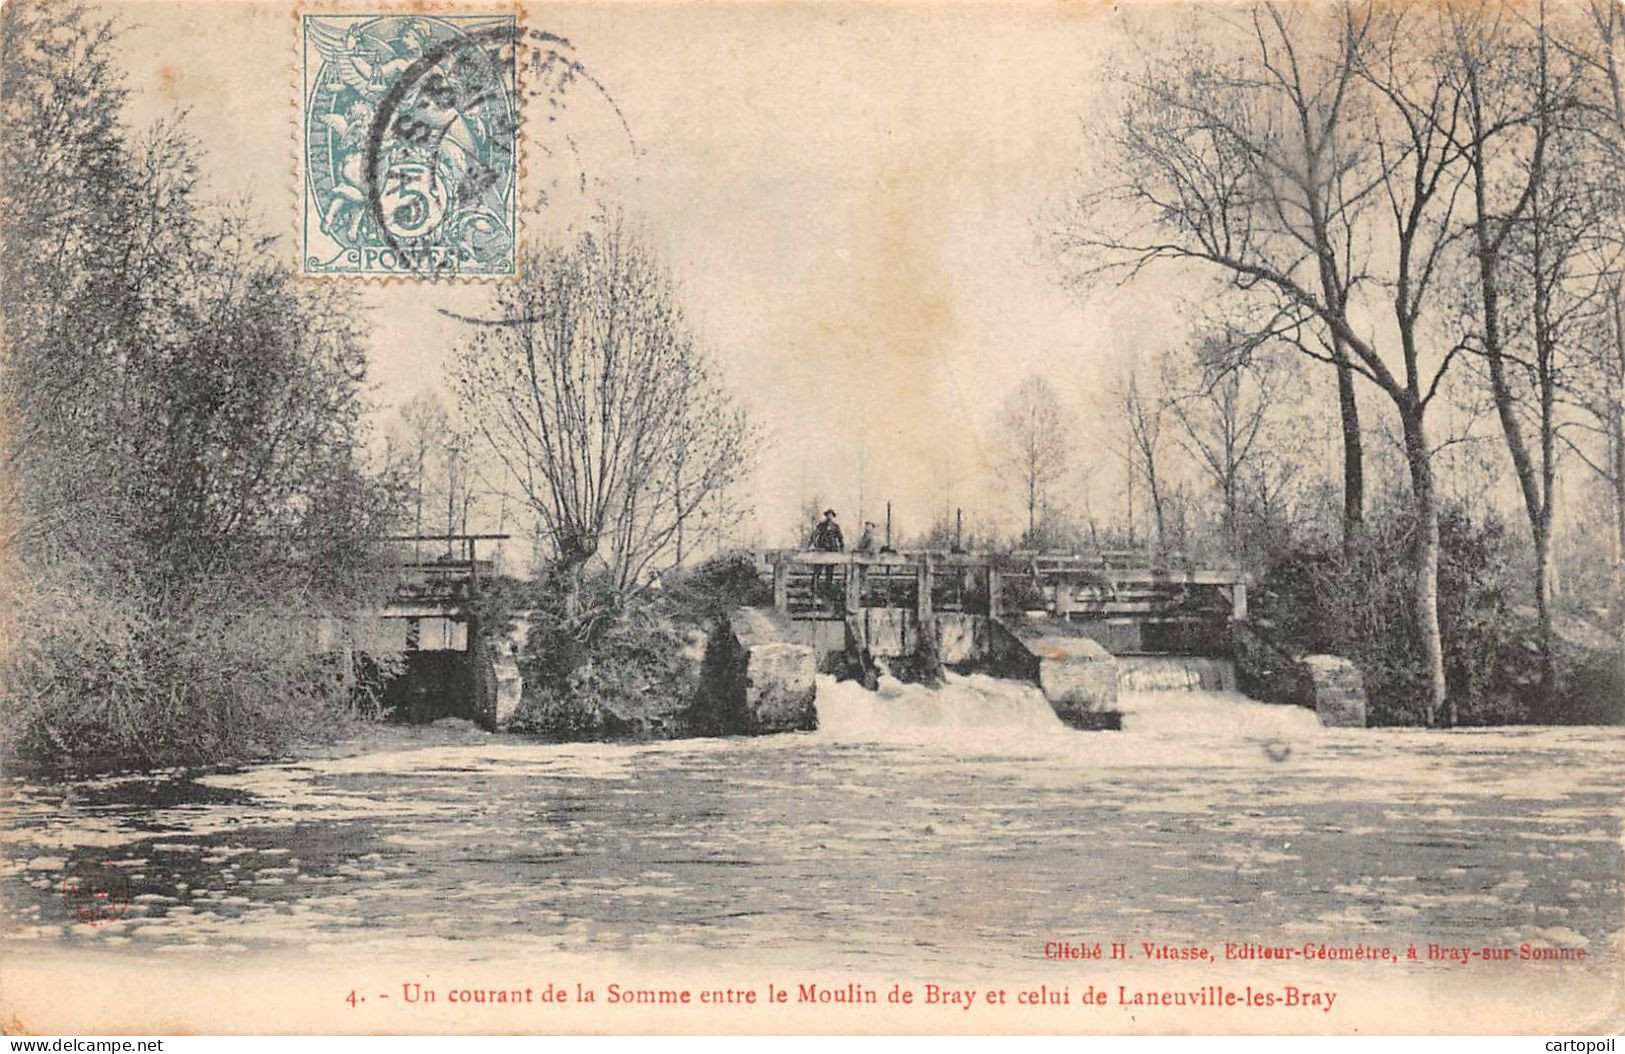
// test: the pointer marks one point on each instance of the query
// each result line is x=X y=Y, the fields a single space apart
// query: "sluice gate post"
x=462 y=674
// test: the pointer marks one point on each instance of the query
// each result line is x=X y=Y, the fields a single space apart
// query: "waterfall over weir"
x=969 y=705
x=1187 y=695
x=1188 y=673
x=1163 y=696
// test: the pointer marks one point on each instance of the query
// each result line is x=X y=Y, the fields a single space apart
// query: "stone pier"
x=1338 y=691
x=757 y=677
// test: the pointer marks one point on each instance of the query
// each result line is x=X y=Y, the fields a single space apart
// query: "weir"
x=1083 y=628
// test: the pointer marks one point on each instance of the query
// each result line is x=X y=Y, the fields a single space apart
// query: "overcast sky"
x=847 y=196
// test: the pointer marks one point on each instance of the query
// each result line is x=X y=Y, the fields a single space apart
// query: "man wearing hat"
x=826 y=538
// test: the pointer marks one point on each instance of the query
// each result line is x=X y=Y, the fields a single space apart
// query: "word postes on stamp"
x=410 y=129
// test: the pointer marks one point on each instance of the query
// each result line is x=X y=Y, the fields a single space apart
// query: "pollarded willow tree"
x=591 y=390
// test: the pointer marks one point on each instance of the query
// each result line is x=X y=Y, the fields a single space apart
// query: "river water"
x=948 y=832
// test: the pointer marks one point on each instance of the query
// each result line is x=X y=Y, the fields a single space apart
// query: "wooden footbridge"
x=451 y=671
x=1130 y=603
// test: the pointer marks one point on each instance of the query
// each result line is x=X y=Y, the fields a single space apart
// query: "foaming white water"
x=992 y=707
x=1212 y=714
x=976 y=702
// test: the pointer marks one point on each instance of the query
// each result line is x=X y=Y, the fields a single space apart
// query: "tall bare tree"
x=1143 y=446
x=1529 y=220
x=1597 y=384
x=421 y=428
x=1224 y=402
x=1037 y=441
x=1313 y=167
x=588 y=386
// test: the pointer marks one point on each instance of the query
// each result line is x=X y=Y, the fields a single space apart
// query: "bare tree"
x=1317 y=173
x=1143 y=447
x=1224 y=403
x=1529 y=221
x=1257 y=150
x=1036 y=444
x=588 y=386
x=440 y=456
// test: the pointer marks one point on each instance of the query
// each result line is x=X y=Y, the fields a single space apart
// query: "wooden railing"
x=448 y=577
x=813 y=584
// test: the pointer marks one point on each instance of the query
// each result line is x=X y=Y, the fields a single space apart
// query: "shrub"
x=630 y=676
x=94 y=680
x=714 y=588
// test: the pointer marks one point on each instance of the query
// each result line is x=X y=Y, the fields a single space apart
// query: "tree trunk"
x=1543 y=610
x=677 y=487
x=1156 y=507
x=417 y=527
x=1348 y=406
x=1436 y=705
x=1353 y=453
x=1615 y=407
x=1232 y=533
x=1032 y=508
x=1616 y=442
x=1129 y=491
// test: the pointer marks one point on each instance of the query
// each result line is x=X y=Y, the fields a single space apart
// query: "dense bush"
x=1313 y=598
x=93 y=680
x=629 y=675
x=608 y=665
x=187 y=476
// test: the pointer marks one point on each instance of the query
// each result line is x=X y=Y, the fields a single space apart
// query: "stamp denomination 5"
x=410 y=129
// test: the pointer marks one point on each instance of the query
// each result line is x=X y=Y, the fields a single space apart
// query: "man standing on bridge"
x=826 y=538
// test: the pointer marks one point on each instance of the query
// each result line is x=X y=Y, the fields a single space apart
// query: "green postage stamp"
x=410 y=128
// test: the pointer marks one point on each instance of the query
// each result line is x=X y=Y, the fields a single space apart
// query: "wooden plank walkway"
x=824 y=585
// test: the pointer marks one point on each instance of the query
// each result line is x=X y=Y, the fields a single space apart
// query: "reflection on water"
x=960 y=828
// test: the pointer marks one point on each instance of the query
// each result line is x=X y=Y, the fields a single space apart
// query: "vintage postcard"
x=853 y=517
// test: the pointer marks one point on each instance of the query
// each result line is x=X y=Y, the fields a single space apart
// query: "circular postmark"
x=412 y=129
x=94 y=894
x=413 y=149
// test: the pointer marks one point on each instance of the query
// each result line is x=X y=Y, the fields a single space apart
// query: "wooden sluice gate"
x=1129 y=605
x=451 y=669
x=1080 y=626
x=1058 y=621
